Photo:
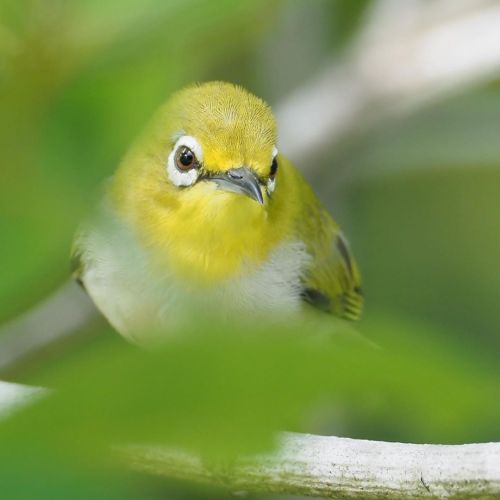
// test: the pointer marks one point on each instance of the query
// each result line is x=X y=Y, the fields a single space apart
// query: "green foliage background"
x=418 y=199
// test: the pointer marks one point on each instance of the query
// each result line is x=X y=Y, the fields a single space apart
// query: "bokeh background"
x=390 y=109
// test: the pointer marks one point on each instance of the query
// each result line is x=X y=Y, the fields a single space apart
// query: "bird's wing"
x=76 y=263
x=332 y=282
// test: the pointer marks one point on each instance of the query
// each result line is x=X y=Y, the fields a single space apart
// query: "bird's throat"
x=220 y=242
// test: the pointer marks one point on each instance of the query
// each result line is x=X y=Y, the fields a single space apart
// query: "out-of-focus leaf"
x=27 y=473
x=223 y=392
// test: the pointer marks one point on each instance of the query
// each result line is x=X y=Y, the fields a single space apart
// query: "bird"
x=204 y=213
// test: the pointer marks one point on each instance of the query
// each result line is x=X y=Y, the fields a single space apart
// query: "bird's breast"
x=210 y=238
x=137 y=292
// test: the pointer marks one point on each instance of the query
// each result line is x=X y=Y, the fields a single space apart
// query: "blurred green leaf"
x=221 y=392
x=28 y=473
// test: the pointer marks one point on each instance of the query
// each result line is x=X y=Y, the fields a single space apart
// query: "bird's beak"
x=239 y=180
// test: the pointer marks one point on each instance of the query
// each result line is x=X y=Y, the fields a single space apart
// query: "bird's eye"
x=185 y=159
x=274 y=168
x=271 y=181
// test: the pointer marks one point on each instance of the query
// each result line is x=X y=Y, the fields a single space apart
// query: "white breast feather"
x=135 y=298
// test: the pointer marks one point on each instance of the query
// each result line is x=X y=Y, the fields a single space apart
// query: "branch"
x=14 y=396
x=62 y=314
x=333 y=467
x=406 y=55
x=319 y=466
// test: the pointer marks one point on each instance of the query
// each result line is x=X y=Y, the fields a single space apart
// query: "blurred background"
x=391 y=109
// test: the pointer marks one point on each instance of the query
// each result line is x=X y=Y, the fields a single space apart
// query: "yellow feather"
x=206 y=234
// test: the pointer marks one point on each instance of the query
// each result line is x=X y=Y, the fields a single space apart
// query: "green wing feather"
x=334 y=284
x=333 y=281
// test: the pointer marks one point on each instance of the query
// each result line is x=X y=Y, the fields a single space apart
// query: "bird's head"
x=203 y=184
x=222 y=139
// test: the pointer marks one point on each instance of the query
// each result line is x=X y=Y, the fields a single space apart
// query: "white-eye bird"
x=204 y=212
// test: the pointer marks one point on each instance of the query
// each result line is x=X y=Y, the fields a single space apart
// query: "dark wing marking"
x=316 y=299
x=76 y=266
x=345 y=254
x=339 y=291
x=352 y=304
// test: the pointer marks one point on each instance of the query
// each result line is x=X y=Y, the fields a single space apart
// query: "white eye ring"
x=271 y=183
x=188 y=177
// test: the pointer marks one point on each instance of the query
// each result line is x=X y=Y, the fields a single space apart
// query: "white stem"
x=320 y=466
x=407 y=54
x=333 y=467
x=15 y=396
x=61 y=314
